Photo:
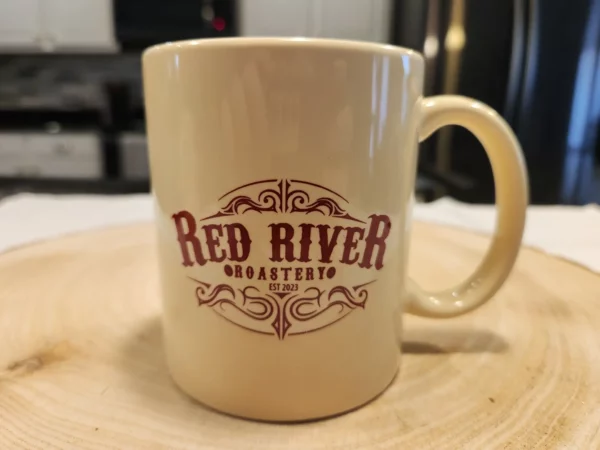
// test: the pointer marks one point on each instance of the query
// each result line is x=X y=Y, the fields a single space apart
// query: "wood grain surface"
x=81 y=362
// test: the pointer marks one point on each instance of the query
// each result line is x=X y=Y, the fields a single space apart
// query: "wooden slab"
x=81 y=363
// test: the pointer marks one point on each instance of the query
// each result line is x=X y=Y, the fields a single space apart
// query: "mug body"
x=283 y=175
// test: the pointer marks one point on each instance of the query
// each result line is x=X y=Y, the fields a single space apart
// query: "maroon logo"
x=282 y=257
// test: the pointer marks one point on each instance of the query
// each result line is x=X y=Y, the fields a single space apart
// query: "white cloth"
x=570 y=232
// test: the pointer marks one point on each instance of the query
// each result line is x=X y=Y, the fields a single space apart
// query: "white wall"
x=48 y=25
x=367 y=20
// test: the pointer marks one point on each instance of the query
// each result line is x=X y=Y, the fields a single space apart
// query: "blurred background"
x=71 y=107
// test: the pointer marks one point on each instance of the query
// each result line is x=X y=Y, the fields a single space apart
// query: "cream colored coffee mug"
x=283 y=171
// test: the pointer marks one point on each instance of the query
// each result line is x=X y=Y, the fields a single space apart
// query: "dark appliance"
x=141 y=23
x=537 y=62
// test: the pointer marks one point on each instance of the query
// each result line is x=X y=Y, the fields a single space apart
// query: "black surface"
x=483 y=75
x=535 y=62
x=408 y=23
x=563 y=35
x=30 y=119
x=141 y=23
x=13 y=185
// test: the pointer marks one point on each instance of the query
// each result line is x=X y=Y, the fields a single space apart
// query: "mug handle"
x=510 y=180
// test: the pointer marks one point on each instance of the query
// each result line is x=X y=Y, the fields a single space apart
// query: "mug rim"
x=283 y=41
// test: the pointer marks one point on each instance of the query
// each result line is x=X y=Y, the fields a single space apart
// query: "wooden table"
x=81 y=363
